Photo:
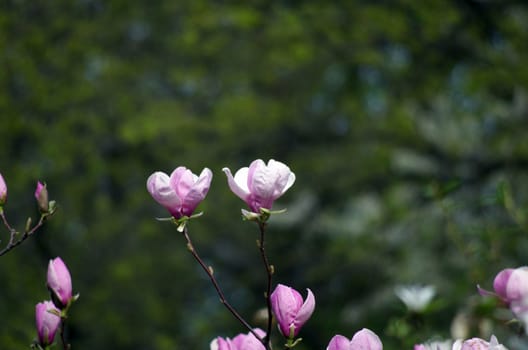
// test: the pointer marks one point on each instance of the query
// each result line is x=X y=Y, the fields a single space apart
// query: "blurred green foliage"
x=405 y=123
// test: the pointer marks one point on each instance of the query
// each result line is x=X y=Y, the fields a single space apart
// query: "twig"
x=27 y=232
x=269 y=272
x=208 y=270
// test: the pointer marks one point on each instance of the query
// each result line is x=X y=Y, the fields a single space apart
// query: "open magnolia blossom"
x=240 y=342
x=510 y=285
x=290 y=310
x=478 y=344
x=180 y=193
x=364 y=339
x=259 y=185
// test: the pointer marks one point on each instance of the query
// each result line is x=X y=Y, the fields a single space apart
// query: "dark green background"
x=405 y=123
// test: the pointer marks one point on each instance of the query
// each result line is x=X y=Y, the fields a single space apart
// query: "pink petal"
x=158 y=185
x=500 y=282
x=338 y=342
x=238 y=183
x=366 y=339
x=517 y=285
x=306 y=310
x=197 y=192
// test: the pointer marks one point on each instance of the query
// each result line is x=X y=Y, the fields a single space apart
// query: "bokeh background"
x=405 y=122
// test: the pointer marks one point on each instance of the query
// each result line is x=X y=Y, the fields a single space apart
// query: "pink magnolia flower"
x=478 y=344
x=59 y=283
x=181 y=192
x=47 y=322
x=260 y=184
x=511 y=286
x=3 y=191
x=41 y=195
x=364 y=339
x=240 y=342
x=290 y=310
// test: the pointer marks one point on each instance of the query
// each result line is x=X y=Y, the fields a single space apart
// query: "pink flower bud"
x=290 y=311
x=181 y=192
x=364 y=339
x=59 y=283
x=240 y=342
x=260 y=184
x=3 y=191
x=41 y=195
x=47 y=322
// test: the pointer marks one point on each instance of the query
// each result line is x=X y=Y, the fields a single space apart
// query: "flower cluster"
x=51 y=314
x=259 y=185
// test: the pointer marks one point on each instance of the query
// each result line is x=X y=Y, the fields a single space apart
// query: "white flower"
x=415 y=297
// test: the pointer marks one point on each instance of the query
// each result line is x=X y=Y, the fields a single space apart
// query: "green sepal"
x=261 y=217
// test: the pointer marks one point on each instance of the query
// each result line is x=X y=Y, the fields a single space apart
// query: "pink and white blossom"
x=478 y=344
x=181 y=192
x=290 y=310
x=364 y=339
x=240 y=342
x=260 y=184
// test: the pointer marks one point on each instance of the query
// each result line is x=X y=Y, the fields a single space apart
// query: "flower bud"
x=3 y=191
x=364 y=339
x=260 y=184
x=290 y=311
x=180 y=193
x=59 y=283
x=41 y=195
x=47 y=322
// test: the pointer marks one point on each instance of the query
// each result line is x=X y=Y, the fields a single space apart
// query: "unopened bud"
x=41 y=195
x=3 y=191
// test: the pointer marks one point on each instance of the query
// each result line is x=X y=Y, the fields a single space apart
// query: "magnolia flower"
x=3 y=191
x=180 y=193
x=260 y=184
x=509 y=285
x=59 y=283
x=240 y=342
x=290 y=310
x=41 y=195
x=478 y=344
x=47 y=322
x=364 y=339
x=436 y=345
x=415 y=297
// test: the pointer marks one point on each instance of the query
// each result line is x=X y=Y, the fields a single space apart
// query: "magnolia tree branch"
x=210 y=273
x=269 y=273
x=28 y=231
